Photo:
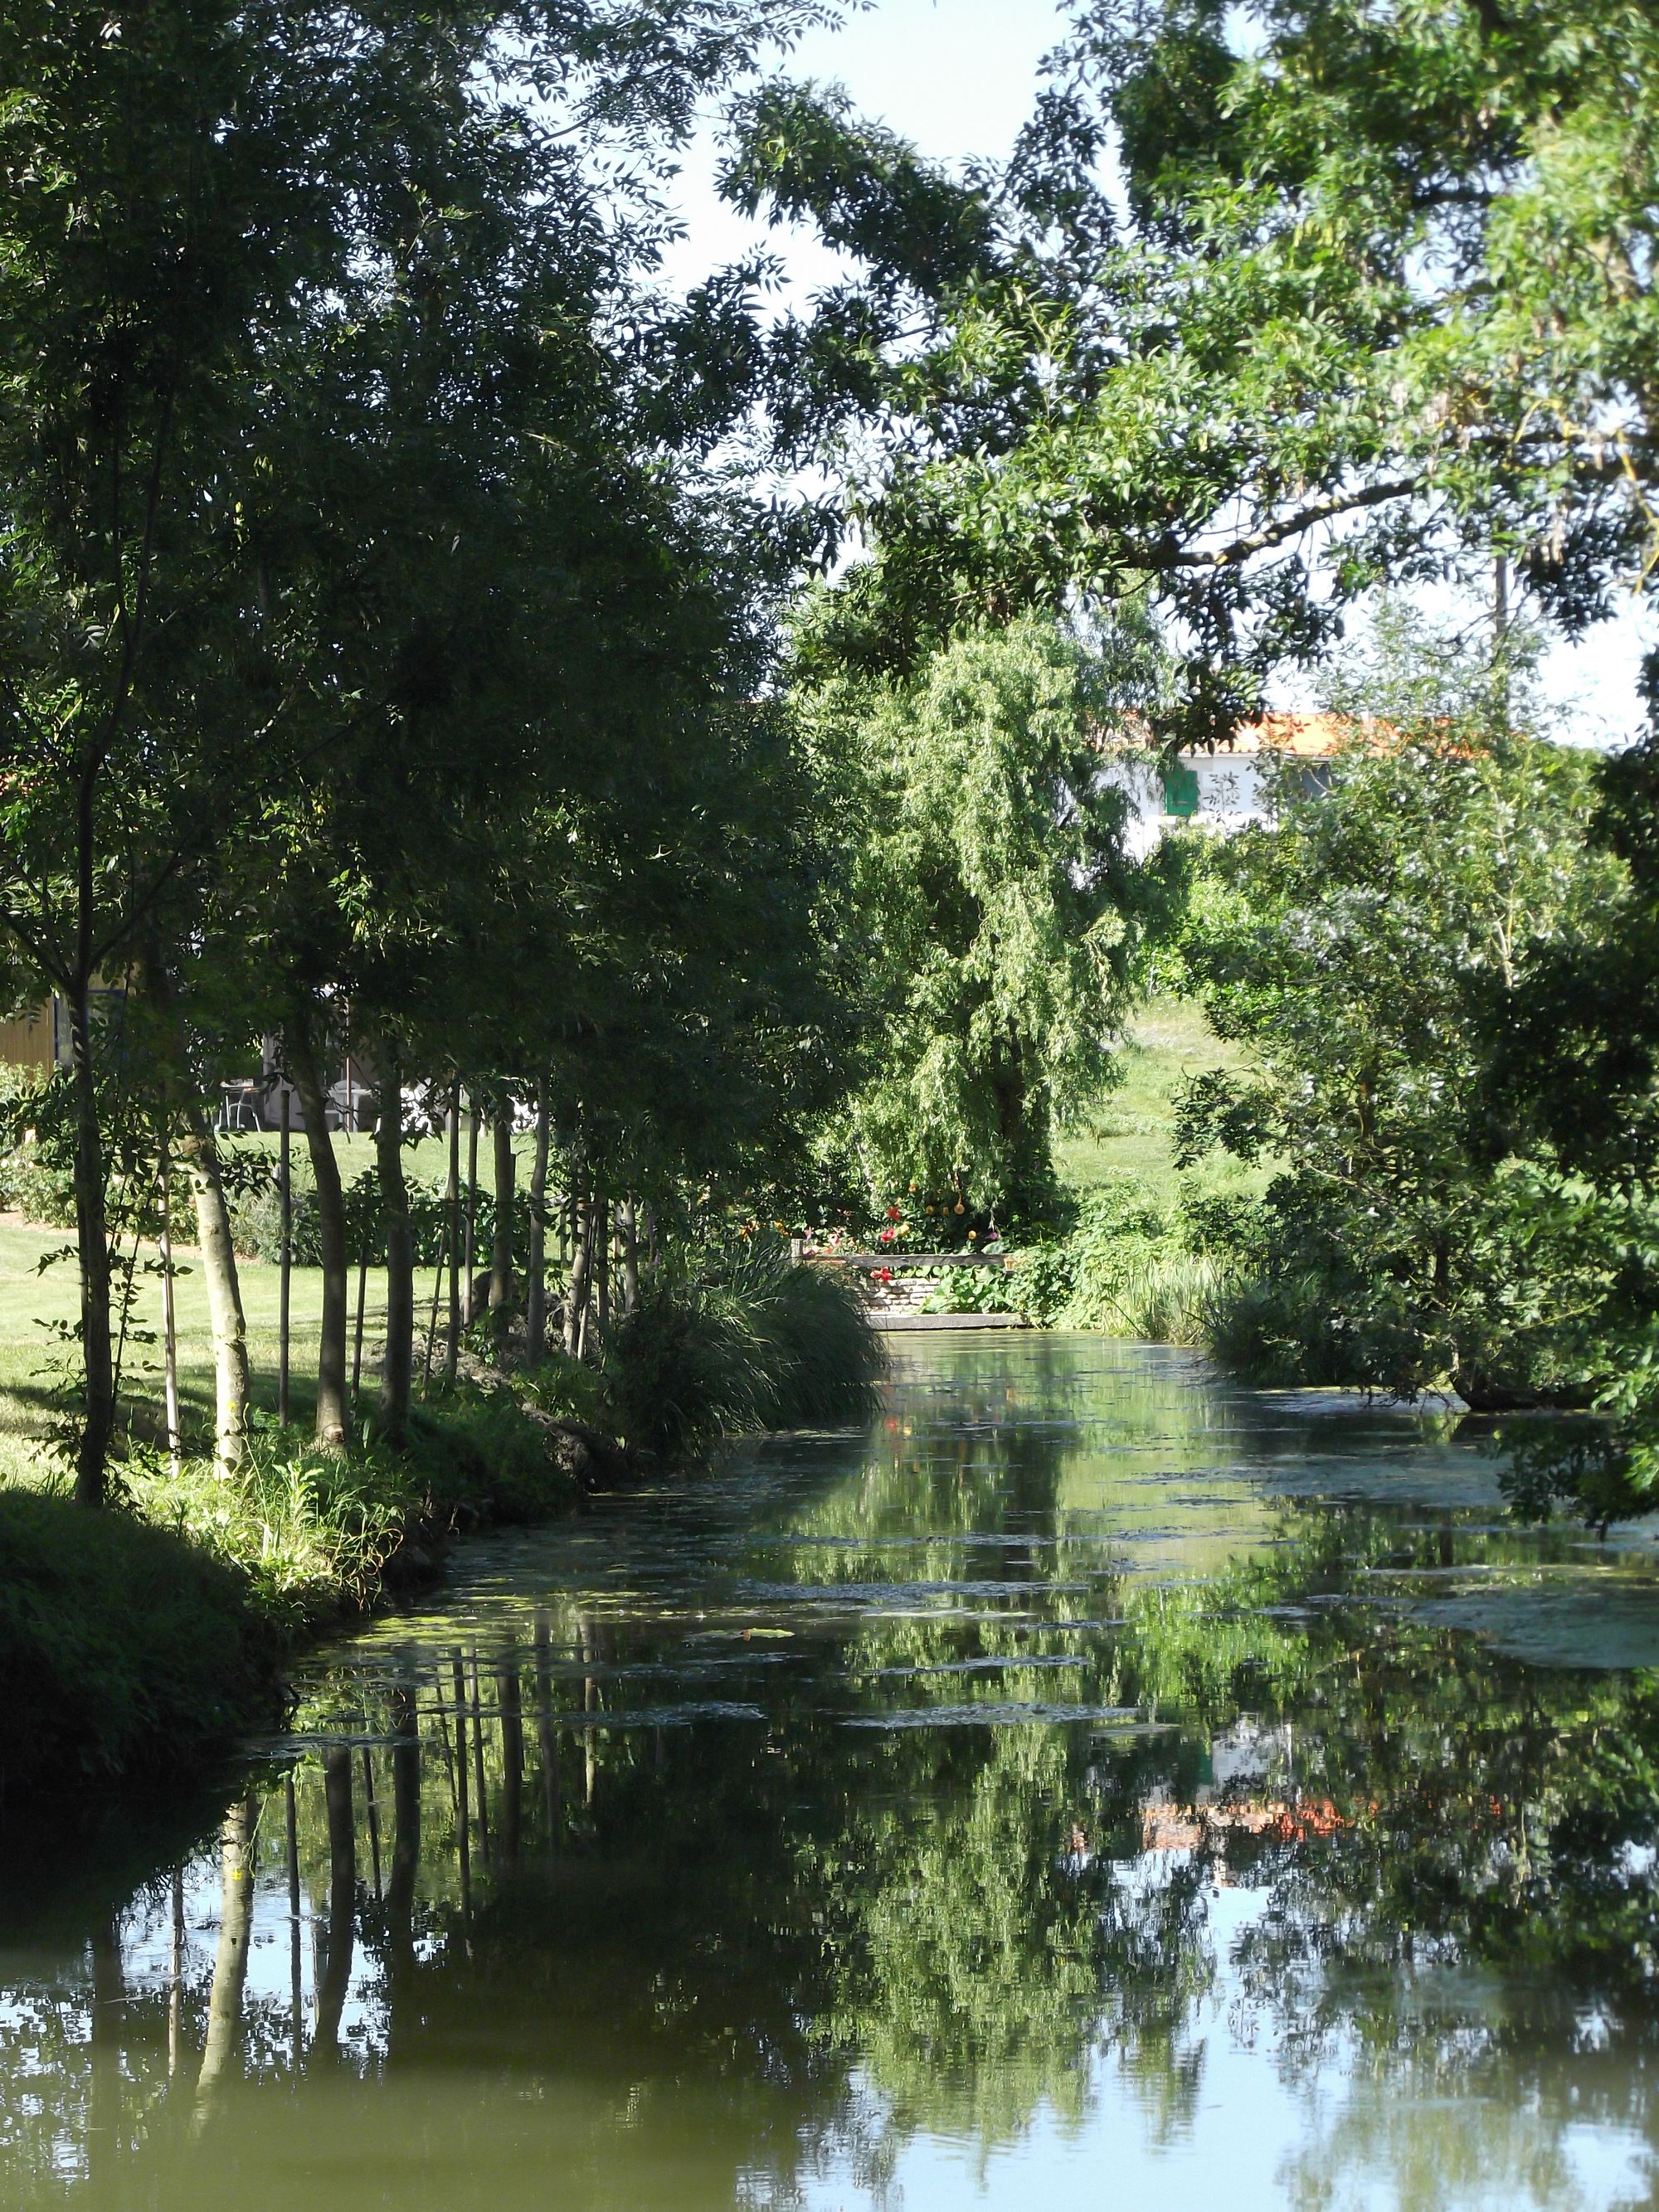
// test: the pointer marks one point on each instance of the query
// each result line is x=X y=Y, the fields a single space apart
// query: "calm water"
x=1096 y=1786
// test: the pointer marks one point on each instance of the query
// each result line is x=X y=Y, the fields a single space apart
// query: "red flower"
x=894 y=1213
x=885 y=1237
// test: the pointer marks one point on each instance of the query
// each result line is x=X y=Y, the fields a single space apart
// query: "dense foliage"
x=996 y=922
x=1366 y=949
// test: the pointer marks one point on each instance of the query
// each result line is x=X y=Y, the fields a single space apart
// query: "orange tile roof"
x=1306 y=737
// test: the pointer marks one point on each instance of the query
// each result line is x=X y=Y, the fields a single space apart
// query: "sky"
x=957 y=78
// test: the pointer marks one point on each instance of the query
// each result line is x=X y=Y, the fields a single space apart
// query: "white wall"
x=1229 y=795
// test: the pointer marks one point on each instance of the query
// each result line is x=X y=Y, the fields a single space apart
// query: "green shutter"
x=1181 y=791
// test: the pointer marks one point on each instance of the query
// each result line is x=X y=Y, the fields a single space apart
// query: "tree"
x=1380 y=303
x=150 y=244
x=991 y=903
x=218 y=221
x=1366 y=949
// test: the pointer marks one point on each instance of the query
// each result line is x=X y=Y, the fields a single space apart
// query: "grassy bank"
x=1144 y=1250
x=1131 y=1139
x=139 y=1642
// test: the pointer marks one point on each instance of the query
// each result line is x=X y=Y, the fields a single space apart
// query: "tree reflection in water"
x=824 y=1892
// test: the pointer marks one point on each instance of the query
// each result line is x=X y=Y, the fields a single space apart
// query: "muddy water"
x=1095 y=1786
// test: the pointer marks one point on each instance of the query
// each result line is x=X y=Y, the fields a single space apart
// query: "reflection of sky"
x=1254 y=2143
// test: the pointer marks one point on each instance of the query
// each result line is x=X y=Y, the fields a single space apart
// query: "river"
x=1095 y=1785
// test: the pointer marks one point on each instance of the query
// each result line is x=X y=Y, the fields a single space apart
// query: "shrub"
x=757 y=1345
x=974 y=1291
x=126 y=1651
x=311 y=1530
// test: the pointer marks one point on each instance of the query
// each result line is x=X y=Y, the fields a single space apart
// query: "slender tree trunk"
x=357 y=1325
x=199 y=1151
x=333 y=1405
x=198 y=1154
x=437 y=1292
x=285 y=1196
x=471 y=1209
x=630 y=1255
x=92 y=1241
x=575 y=1305
x=452 y=1207
x=602 y=1257
x=500 y=1257
x=397 y=1370
x=535 y=1263
x=169 y=1309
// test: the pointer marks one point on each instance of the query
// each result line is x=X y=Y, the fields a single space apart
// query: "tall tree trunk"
x=169 y=1304
x=500 y=1256
x=333 y=1405
x=199 y=1151
x=630 y=1253
x=471 y=1208
x=536 y=1264
x=452 y=1207
x=92 y=1241
x=285 y=1291
x=599 y=1236
x=582 y=1259
x=397 y=1370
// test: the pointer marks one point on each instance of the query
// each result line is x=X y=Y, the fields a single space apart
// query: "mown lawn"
x=1169 y=1041
x=35 y=1304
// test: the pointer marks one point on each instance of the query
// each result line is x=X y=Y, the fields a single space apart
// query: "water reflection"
x=1087 y=1784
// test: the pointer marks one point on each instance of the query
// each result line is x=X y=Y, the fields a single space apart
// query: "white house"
x=1225 y=789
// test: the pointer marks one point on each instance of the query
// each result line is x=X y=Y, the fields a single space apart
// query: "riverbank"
x=143 y=1640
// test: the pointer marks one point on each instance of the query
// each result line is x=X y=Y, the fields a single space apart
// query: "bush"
x=127 y=1653
x=757 y=1344
x=311 y=1530
x=1125 y=1269
x=315 y=1532
x=974 y=1290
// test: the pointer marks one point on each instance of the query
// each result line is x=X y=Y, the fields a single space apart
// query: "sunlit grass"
x=1133 y=1133
x=35 y=1304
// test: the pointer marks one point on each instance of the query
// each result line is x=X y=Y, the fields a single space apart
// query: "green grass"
x=1133 y=1133
x=425 y=1161
x=32 y=1304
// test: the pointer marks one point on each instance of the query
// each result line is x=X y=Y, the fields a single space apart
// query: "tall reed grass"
x=753 y=1344
x=1158 y=1296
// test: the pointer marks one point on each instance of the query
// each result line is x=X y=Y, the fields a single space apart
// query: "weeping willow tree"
x=994 y=915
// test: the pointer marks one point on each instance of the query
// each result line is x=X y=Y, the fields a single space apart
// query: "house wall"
x=27 y=1039
x=1226 y=792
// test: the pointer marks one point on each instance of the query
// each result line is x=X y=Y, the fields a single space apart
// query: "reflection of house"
x=1227 y=788
x=1171 y=1827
